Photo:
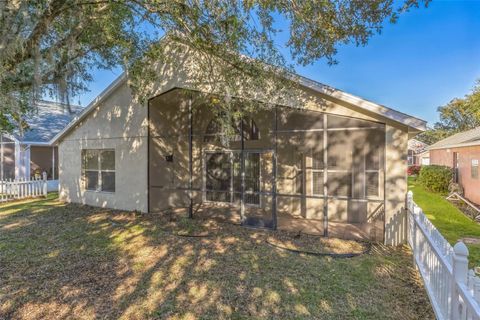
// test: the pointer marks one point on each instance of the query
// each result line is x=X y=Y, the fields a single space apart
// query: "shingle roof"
x=47 y=120
x=462 y=139
x=417 y=146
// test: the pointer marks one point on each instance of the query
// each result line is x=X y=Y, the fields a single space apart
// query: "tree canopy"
x=50 y=47
x=460 y=114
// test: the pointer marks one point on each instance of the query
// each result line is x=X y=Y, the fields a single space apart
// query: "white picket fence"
x=454 y=291
x=23 y=188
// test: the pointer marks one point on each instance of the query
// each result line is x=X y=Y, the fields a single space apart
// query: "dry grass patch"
x=316 y=245
x=67 y=261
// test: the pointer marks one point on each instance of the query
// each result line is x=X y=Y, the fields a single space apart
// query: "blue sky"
x=430 y=56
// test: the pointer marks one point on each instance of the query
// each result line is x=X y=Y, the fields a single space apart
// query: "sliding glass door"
x=223 y=178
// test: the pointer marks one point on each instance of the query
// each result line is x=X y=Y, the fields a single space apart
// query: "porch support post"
x=274 y=165
x=53 y=163
x=242 y=170
x=325 y=176
x=26 y=161
x=1 y=157
x=18 y=162
x=190 y=158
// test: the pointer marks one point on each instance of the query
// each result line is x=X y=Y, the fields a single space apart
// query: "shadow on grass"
x=69 y=261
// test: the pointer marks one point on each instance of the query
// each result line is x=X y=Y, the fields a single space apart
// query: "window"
x=98 y=168
x=317 y=172
x=223 y=180
x=215 y=131
x=474 y=168
x=372 y=172
x=411 y=158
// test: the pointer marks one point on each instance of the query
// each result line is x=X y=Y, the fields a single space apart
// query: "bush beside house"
x=435 y=178
x=413 y=170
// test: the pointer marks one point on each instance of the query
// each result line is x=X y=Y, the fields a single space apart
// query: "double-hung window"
x=317 y=172
x=372 y=173
x=98 y=167
x=474 y=169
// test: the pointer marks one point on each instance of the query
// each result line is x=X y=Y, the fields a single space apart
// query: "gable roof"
x=46 y=121
x=462 y=139
x=413 y=123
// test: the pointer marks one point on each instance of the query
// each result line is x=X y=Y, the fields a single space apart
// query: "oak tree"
x=51 y=47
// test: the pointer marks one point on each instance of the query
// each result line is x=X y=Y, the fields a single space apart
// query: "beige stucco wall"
x=169 y=136
x=121 y=124
x=117 y=123
x=395 y=184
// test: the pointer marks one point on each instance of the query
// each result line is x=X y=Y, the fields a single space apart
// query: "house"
x=418 y=155
x=323 y=161
x=461 y=152
x=29 y=153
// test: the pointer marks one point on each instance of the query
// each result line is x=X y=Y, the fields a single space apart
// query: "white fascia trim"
x=457 y=145
x=100 y=98
x=36 y=144
x=11 y=137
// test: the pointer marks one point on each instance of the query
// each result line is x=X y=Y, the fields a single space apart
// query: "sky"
x=430 y=56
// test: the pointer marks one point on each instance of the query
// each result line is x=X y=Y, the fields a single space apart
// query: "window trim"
x=472 y=166
x=314 y=170
x=99 y=170
x=379 y=171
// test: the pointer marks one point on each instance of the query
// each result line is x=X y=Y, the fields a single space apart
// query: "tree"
x=460 y=114
x=49 y=47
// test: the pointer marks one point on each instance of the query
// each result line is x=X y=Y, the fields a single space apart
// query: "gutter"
x=459 y=145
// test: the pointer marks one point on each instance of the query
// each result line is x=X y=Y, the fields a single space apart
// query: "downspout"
x=242 y=170
x=325 y=176
x=53 y=163
x=274 y=185
x=190 y=156
x=1 y=157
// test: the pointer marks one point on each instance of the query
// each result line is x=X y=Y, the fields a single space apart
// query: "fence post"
x=409 y=200
x=44 y=176
x=413 y=224
x=460 y=272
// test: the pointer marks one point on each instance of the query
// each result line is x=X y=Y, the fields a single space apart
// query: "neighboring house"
x=418 y=155
x=325 y=162
x=461 y=152
x=30 y=153
x=423 y=158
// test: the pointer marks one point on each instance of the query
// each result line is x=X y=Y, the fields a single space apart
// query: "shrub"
x=435 y=178
x=413 y=170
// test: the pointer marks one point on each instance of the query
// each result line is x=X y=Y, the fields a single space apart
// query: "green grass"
x=68 y=261
x=448 y=219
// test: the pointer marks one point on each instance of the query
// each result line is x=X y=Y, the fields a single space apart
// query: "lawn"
x=61 y=261
x=448 y=219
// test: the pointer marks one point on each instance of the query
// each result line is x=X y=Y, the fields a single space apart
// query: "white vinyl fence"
x=454 y=291
x=23 y=188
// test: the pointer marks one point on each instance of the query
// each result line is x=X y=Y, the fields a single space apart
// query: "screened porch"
x=295 y=169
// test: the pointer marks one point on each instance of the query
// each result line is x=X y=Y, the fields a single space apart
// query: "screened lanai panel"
x=329 y=168
x=224 y=154
x=169 y=152
x=258 y=169
x=8 y=159
x=355 y=175
x=300 y=168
